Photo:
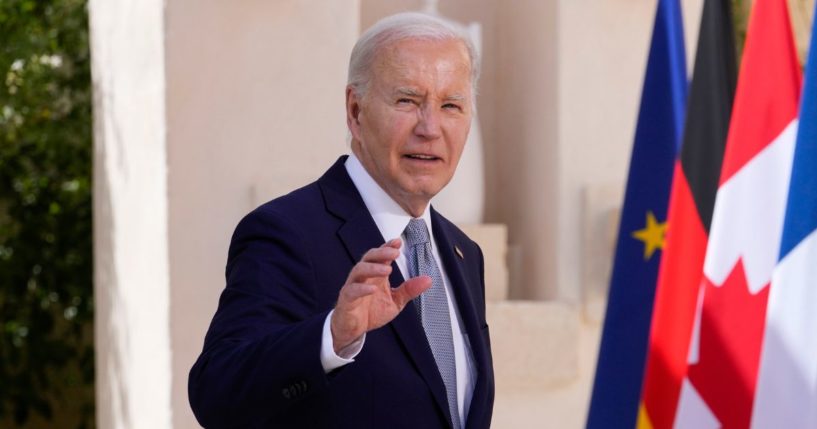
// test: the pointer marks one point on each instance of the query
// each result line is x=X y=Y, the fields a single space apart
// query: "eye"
x=452 y=106
x=405 y=101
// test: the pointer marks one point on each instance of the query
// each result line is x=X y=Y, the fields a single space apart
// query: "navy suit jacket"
x=260 y=365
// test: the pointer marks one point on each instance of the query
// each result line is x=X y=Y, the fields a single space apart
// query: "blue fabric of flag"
x=622 y=352
x=801 y=210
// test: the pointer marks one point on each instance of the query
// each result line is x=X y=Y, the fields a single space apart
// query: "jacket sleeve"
x=261 y=354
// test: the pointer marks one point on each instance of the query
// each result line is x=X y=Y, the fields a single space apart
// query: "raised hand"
x=367 y=301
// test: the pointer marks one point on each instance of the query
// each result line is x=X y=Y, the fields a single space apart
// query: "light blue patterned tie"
x=433 y=310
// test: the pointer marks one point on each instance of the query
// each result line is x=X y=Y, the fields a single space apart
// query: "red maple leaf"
x=732 y=325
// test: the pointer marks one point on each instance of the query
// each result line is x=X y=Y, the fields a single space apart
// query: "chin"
x=428 y=194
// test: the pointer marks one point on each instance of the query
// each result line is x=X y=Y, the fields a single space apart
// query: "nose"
x=428 y=123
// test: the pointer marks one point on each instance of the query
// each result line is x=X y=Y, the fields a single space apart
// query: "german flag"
x=692 y=201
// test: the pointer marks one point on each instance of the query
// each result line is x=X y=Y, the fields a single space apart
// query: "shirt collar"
x=389 y=217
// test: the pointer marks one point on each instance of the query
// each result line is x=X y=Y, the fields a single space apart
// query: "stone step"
x=543 y=354
x=534 y=344
x=563 y=406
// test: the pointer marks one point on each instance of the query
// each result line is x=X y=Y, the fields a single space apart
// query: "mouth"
x=421 y=157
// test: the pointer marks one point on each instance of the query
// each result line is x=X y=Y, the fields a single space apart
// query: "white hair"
x=402 y=26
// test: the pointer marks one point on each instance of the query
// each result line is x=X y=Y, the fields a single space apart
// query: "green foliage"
x=46 y=301
x=740 y=20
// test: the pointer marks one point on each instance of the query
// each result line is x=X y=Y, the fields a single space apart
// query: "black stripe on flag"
x=710 y=106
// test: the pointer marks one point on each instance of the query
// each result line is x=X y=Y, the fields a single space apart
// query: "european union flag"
x=617 y=388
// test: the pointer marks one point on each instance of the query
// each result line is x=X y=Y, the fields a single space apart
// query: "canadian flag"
x=745 y=238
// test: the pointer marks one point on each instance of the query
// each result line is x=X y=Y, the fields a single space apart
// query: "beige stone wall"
x=255 y=108
x=600 y=74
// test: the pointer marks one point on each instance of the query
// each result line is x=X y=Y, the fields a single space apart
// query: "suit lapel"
x=454 y=262
x=358 y=234
x=408 y=328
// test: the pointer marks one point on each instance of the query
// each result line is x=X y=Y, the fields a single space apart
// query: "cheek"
x=396 y=134
x=456 y=138
x=401 y=125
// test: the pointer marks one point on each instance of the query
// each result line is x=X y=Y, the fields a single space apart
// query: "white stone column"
x=131 y=280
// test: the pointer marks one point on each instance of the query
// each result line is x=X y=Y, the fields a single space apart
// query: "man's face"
x=409 y=129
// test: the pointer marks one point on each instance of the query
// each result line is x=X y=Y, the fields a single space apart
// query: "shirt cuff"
x=331 y=360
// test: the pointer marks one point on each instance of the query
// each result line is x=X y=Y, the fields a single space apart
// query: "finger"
x=393 y=243
x=410 y=289
x=363 y=271
x=384 y=254
x=354 y=291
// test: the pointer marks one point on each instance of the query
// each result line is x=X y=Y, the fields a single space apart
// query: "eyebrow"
x=456 y=97
x=411 y=92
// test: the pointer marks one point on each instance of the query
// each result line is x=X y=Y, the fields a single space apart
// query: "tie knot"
x=416 y=232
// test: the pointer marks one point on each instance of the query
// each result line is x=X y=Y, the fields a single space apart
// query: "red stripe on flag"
x=763 y=106
x=675 y=302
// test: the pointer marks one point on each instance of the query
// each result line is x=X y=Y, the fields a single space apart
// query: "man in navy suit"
x=351 y=303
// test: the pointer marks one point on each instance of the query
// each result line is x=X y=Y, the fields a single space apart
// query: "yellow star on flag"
x=652 y=235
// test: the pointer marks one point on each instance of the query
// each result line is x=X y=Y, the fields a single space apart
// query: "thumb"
x=410 y=289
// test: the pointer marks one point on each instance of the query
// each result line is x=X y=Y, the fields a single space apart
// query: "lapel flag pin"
x=459 y=252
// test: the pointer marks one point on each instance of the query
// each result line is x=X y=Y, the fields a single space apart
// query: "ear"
x=353 y=112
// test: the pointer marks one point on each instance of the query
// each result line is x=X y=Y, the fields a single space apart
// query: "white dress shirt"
x=392 y=220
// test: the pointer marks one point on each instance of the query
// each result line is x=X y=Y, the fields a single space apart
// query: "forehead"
x=413 y=59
